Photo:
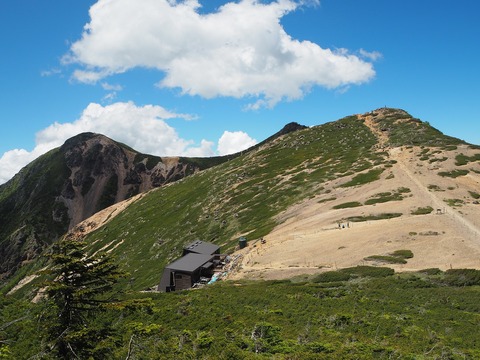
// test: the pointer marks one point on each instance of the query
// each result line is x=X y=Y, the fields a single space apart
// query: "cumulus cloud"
x=144 y=128
x=12 y=161
x=240 y=50
x=232 y=142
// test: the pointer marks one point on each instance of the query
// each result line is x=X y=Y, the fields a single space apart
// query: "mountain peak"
x=291 y=127
x=82 y=138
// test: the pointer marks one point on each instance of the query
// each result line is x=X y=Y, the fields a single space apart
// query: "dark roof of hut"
x=190 y=262
x=201 y=247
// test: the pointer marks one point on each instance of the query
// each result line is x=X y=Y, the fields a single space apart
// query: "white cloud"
x=88 y=76
x=241 y=50
x=12 y=161
x=110 y=97
x=110 y=87
x=50 y=72
x=204 y=150
x=371 y=55
x=142 y=127
x=232 y=142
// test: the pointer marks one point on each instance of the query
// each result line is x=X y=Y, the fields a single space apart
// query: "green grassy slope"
x=245 y=195
x=82 y=177
x=240 y=197
x=403 y=129
x=30 y=219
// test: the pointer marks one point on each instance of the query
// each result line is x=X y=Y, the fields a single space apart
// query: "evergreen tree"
x=80 y=288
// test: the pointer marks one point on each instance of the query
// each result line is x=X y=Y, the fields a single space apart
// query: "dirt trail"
x=396 y=154
x=381 y=136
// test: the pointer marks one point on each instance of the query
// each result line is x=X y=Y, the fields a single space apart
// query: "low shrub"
x=364 y=178
x=453 y=173
x=386 y=258
x=474 y=194
x=431 y=271
x=380 y=200
x=404 y=254
x=349 y=204
x=462 y=277
x=325 y=200
x=454 y=202
x=395 y=195
x=422 y=211
x=442 y=159
x=369 y=271
x=332 y=276
x=382 y=216
x=462 y=159
x=397 y=257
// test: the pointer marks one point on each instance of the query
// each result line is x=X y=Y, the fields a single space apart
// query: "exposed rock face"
x=60 y=189
x=103 y=172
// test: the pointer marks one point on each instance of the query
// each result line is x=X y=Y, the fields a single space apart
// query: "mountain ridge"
x=348 y=163
x=248 y=195
x=88 y=173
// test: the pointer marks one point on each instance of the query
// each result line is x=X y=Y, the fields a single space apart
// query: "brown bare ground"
x=101 y=218
x=309 y=239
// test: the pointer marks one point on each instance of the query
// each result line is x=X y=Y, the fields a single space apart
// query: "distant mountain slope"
x=67 y=185
x=340 y=171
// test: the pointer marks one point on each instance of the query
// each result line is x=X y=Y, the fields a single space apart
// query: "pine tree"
x=81 y=286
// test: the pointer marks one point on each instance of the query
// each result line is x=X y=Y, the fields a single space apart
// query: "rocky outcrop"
x=104 y=172
x=69 y=184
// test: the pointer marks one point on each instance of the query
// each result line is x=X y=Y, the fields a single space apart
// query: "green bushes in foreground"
x=375 y=314
x=462 y=277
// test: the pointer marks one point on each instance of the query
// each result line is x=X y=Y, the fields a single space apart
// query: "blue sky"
x=202 y=77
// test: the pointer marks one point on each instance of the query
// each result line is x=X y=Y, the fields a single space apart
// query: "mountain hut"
x=198 y=260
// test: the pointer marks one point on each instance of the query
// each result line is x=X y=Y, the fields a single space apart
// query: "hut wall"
x=183 y=281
